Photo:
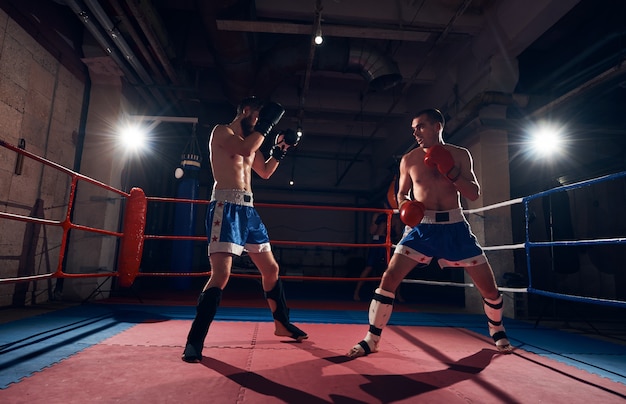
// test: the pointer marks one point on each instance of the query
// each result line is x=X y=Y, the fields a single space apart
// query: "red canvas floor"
x=245 y=363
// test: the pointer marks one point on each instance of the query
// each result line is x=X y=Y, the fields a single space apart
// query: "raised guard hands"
x=269 y=116
x=283 y=141
x=291 y=137
x=438 y=156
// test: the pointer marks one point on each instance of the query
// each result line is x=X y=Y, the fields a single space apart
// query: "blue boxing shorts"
x=445 y=235
x=233 y=224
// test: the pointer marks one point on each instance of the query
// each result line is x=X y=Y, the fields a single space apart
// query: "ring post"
x=131 y=248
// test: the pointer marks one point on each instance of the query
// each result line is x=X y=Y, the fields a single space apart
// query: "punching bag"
x=185 y=219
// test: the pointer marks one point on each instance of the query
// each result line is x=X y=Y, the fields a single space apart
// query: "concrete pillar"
x=102 y=160
x=489 y=149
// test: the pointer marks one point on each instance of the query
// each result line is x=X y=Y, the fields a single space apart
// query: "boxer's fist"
x=277 y=152
x=438 y=156
x=288 y=138
x=291 y=137
x=282 y=143
x=269 y=116
x=411 y=213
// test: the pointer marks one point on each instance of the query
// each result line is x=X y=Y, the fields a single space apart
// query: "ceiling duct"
x=380 y=71
x=337 y=55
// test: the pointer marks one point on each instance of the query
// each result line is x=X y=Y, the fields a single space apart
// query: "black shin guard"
x=208 y=301
x=281 y=314
x=277 y=294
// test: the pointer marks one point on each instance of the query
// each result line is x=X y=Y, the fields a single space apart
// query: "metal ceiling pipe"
x=337 y=55
x=134 y=35
x=123 y=46
x=84 y=15
x=138 y=14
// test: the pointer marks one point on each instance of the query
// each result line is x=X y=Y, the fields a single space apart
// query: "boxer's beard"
x=246 y=126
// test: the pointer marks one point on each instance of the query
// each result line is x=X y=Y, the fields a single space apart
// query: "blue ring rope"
x=529 y=244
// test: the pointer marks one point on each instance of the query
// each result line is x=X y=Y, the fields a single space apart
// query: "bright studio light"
x=546 y=140
x=133 y=137
x=318 y=36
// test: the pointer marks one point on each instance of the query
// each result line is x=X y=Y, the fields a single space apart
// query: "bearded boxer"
x=233 y=224
x=437 y=175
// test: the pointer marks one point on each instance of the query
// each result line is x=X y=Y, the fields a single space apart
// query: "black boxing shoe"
x=191 y=354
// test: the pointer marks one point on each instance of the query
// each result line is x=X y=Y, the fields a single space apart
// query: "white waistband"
x=443 y=216
x=236 y=196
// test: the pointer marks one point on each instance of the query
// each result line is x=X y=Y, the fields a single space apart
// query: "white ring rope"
x=461 y=285
x=519 y=245
x=494 y=206
x=488 y=207
x=505 y=247
x=491 y=248
x=618 y=240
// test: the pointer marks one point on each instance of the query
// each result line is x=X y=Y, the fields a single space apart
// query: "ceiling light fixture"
x=317 y=24
x=318 y=35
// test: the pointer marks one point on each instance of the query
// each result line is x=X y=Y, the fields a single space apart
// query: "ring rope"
x=459 y=284
x=616 y=240
x=582 y=299
x=576 y=185
x=505 y=247
x=494 y=206
x=67 y=225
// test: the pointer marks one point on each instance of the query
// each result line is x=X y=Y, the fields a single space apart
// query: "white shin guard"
x=493 y=310
x=379 y=314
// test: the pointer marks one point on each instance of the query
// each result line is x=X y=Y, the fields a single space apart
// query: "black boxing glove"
x=277 y=152
x=279 y=149
x=269 y=116
x=291 y=137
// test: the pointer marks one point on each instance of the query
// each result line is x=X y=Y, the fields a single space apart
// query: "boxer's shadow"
x=261 y=384
x=394 y=387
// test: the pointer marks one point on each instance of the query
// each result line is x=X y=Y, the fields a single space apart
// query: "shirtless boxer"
x=437 y=174
x=233 y=224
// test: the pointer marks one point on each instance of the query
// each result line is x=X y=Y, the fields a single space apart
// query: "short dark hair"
x=433 y=114
x=253 y=102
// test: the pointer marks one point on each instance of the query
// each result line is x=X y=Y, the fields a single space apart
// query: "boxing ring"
x=416 y=336
x=132 y=235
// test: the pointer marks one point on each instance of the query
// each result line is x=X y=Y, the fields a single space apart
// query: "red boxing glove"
x=412 y=213
x=438 y=156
